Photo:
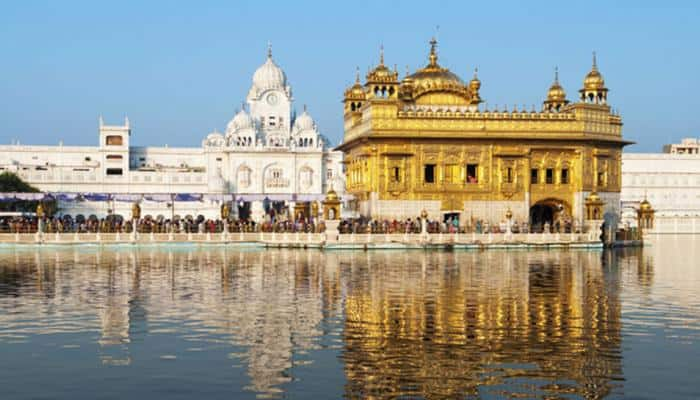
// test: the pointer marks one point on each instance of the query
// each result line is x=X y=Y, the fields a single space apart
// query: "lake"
x=224 y=322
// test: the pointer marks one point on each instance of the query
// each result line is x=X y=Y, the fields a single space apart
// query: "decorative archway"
x=552 y=212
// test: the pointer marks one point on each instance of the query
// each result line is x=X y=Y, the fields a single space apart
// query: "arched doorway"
x=553 y=213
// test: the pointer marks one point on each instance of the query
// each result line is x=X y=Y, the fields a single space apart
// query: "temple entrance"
x=244 y=210
x=451 y=217
x=549 y=213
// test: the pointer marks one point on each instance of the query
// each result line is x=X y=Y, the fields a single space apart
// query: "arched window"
x=306 y=177
x=244 y=176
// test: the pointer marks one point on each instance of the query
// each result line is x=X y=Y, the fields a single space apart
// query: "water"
x=182 y=322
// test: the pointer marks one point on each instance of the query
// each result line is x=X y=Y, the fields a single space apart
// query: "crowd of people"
x=451 y=225
x=92 y=224
x=200 y=224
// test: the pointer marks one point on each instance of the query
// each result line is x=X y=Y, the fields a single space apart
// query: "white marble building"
x=671 y=183
x=267 y=156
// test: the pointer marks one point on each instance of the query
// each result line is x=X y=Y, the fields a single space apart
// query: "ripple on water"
x=274 y=324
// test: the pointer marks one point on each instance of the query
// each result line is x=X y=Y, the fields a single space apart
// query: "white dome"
x=241 y=121
x=214 y=139
x=304 y=122
x=269 y=76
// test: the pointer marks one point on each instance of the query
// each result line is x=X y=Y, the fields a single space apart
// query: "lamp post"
x=135 y=215
x=509 y=223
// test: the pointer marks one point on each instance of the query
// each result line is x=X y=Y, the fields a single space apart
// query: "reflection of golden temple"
x=419 y=324
x=411 y=332
x=425 y=142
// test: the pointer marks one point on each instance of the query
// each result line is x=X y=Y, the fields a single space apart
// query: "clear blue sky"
x=180 y=69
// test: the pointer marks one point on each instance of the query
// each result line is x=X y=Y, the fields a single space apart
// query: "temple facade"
x=426 y=142
x=267 y=158
x=669 y=182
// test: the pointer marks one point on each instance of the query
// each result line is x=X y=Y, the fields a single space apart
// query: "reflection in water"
x=474 y=323
x=416 y=324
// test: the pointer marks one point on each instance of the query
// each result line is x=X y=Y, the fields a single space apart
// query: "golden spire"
x=556 y=72
x=357 y=75
x=433 y=52
x=381 y=54
x=475 y=85
x=595 y=62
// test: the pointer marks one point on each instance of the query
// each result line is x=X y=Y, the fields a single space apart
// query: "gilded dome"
x=381 y=73
x=556 y=92
x=331 y=195
x=434 y=78
x=645 y=205
x=433 y=75
x=593 y=198
x=356 y=91
x=594 y=80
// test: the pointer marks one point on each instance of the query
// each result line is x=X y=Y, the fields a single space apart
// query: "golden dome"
x=381 y=73
x=594 y=80
x=356 y=91
x=331 y=195
x=556 y=92
x=645 y=205
x=434 y=78
x=593 y=198
x=433 y=75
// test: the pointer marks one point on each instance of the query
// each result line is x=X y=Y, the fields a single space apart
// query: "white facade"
x=266 y=152
x=670 y=182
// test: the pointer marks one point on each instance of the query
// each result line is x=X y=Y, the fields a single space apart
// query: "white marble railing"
x=301 y=238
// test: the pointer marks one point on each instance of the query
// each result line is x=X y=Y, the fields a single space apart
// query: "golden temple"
x=426 y=142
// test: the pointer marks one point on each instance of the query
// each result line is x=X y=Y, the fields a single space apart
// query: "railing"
x=303 y=239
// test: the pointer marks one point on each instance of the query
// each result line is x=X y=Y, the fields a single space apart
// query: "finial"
x=102 y=122
x=595 y=62
x=396 y=69
x=476 y=72
x=433 y=52
x=126 y=121
x=357 y=74
x=408 y=70
x=304 y=107
x=381 y=54
x=269 y=49
x=556 y=75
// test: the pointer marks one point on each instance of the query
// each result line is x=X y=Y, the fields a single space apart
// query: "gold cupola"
x=435 y=85
x=594 y=90
x=556 y=96
x=474 y=86
x=382 y=82
x=354 y=96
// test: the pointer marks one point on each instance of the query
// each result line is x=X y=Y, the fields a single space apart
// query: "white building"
x=671 y=183
x=267 y=157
